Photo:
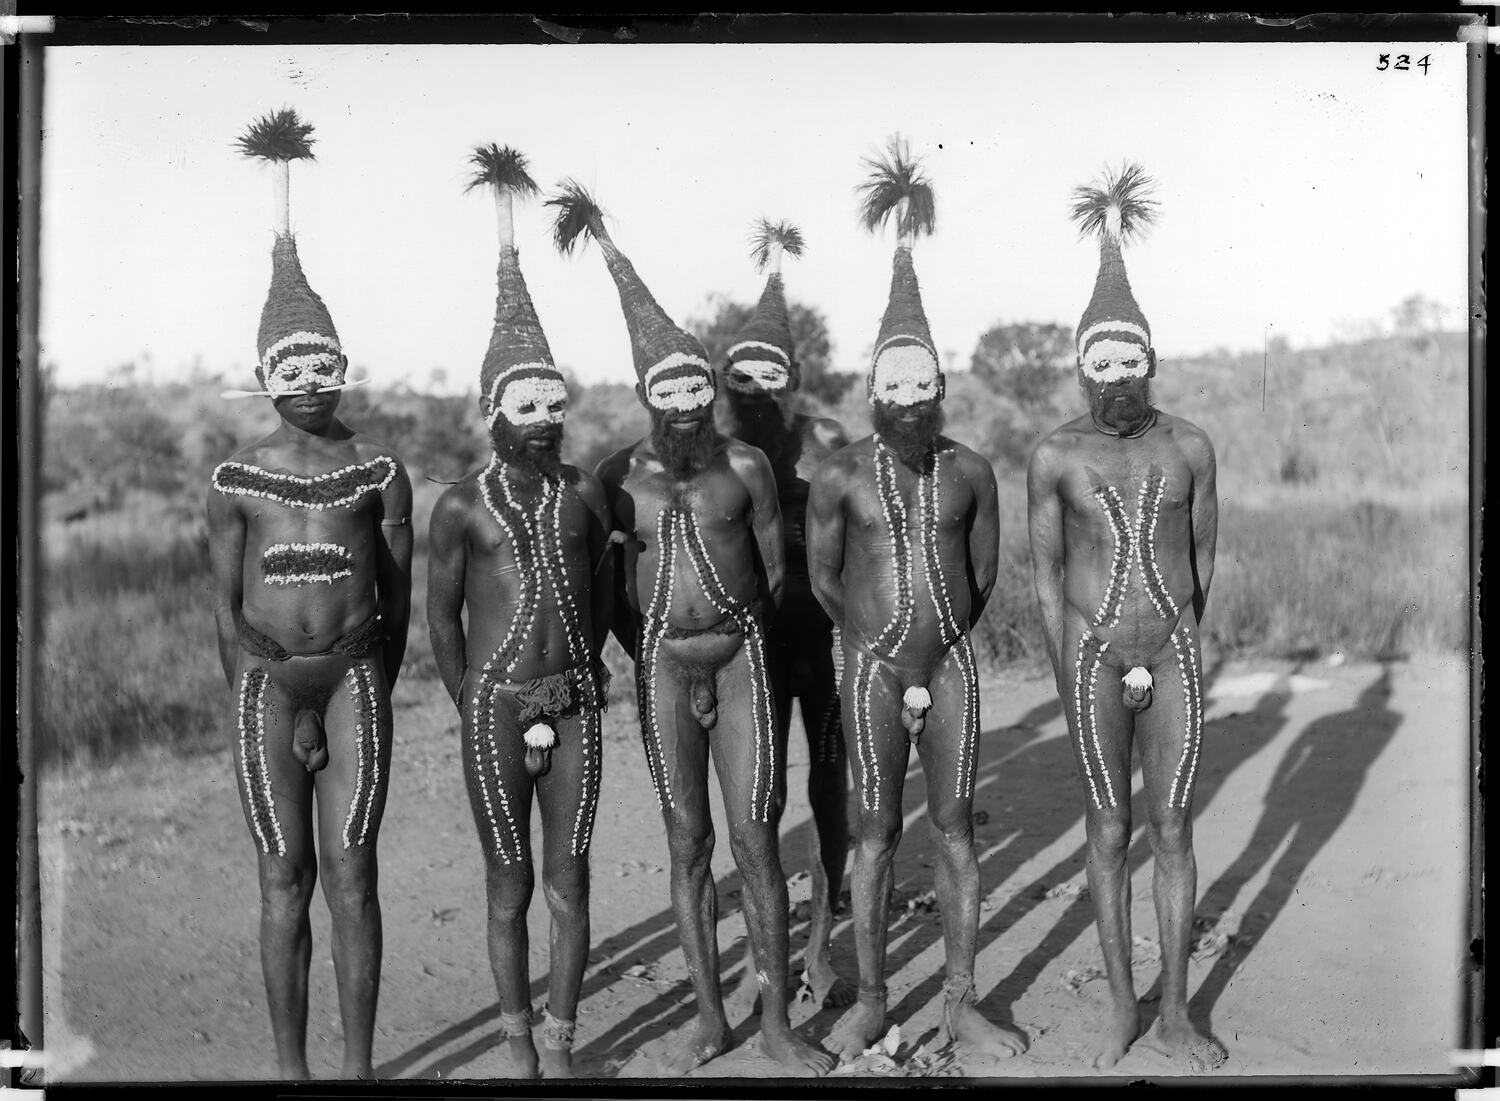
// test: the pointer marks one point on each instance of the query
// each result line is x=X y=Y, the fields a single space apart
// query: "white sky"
x=1300 y=189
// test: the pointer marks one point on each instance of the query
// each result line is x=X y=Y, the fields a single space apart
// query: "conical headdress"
x=518 y=351
x=297 y=345
x=760 y=359
x=1113 y=331
x=904 y=349
x=669 y=362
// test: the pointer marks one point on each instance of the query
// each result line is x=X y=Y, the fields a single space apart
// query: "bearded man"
x=1123 y=516
x=761 y=376
x=310 y=543
x=902 y=546
x=523 y=544
x=702 y=573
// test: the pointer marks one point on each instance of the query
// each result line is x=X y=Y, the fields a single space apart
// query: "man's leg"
x=1171 y=734
x=747 y=759
x=879 y=751
x=276 y=795
x=568 y=795
x=494 y=757
x=351 y=801
x=828 y=795
x=949 y=749
x=1102 y=729
x=677 y=752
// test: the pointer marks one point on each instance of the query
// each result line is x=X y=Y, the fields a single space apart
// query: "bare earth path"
x=1332 y=877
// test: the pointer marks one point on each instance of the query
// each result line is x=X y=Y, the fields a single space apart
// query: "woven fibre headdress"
x=297 y=345
x=670 y=363
x=904 y=350
x=1113 y=329
x=760 y=359
x=519 y=377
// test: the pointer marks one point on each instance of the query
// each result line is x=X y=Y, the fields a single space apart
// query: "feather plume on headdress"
x=904 y=349
x=768 y=240
x=1119 y=208
x=297 y=345
x=664 y=354
x=518 y=354
x=1113 y=331
x=577 y=216
x=897 y=184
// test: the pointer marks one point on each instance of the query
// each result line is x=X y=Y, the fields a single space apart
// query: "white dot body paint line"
x=237 y=479
x=1079 y=721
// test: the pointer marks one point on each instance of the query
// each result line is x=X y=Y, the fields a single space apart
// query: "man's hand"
x=825 y=534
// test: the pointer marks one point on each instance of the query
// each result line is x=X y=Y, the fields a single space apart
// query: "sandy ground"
x=1330 y=835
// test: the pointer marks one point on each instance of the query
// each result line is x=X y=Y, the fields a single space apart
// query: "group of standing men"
x=739 y=571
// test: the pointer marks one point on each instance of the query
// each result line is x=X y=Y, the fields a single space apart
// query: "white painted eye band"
x=534 y=399
x=1113 y=360
x=681 y=393
x=753 y=376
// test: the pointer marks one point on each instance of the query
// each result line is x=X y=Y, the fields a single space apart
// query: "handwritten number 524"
x=1403 y=62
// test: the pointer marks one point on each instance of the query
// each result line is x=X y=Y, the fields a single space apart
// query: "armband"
x=395 y=523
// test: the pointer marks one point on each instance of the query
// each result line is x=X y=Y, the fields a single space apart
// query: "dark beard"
x=762 y=423
x=1121 y=407
x=683 y=453
x=510 y=446
x=912 y=442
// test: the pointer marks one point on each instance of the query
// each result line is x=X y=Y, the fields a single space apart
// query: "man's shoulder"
x=587 y=485
x=846 y=462
x=614 y=466
x=971 y=462
x=1186 y=434
x=368 y=449
x=821 y=430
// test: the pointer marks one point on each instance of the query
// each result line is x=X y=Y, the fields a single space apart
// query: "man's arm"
x=1205 y=516
x=393 y=570
x=984 y=535
x=765 y=517
x=1044 y=521
x=825 y=537
x=601 y=554
x=447 y=565
x=622 y=620
x=226 y=554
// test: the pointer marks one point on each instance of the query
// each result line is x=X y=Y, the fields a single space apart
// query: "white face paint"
x=1113 y=359
x=906 y=374
x=320 y=364
x=535 y=399
x=767 y=373
x=681 y=393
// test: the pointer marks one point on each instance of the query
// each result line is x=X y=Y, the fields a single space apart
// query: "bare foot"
x=970 y=1027
x=797 y=1057
x=518 y=1058
x=822 y=986
x=293 y=1071
x=703 y=1040
x=1186 y=1044
x=556 y=1062
x=857 y=1029
x=1114 y=1037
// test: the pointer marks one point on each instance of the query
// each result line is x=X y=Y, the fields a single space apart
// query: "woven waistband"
x=361 y=642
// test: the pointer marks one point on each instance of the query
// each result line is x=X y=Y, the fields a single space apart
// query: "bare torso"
x=685 y=589
x=907 y=598
x=540 y=618
x=312 y=536
x=1128 y=570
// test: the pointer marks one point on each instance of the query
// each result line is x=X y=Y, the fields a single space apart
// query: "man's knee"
x=952 y=824
x=1109 y=832
x=1171 y=834
x=753 y=844
x=566 y=888
x=879 y=837
x=690 y=837
x=288 y=886
x=349 y=882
